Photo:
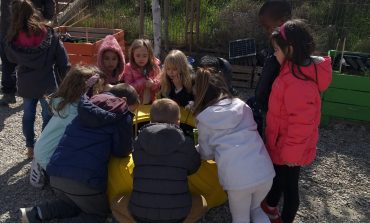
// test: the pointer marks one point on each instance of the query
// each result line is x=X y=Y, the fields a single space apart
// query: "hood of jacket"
x=101 y=109
x=110 y=43
x=160 y=138
x=32 y=57
x=320 y=66
x=231 y=109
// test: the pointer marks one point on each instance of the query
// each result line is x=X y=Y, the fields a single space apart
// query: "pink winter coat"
x=136 y=78
x=110 y=43
x=294 y=113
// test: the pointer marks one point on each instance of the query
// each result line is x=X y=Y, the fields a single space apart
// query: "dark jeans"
x=78 y=203
x=29 y=116
x=8 y=78
x=285 y=183
x=258 y=115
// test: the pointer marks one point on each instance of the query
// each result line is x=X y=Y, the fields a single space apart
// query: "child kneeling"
x=163 y=159
x=79 y=166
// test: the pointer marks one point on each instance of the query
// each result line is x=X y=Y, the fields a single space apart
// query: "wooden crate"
x=86 y=52
x=242 y=75
x=348 y=97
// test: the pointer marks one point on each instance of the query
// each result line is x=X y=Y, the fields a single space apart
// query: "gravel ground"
x=336 y=188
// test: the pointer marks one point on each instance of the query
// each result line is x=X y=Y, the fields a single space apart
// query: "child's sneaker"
x=272 y=212
x=30 y=215
x=38 y=177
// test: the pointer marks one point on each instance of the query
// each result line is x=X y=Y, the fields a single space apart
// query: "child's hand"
x=190 y=105
x=149 y=83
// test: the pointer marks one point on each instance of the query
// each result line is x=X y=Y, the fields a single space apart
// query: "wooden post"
x=191 y=25
x=57 y=9
x=141 y=18
x=197 y=20
x=156 y=11
x=166 y=12
x=187 y=22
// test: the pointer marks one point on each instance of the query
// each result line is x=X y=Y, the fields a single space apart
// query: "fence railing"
x=211 y=24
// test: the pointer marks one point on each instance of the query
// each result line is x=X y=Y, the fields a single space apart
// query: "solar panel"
x=242 y=48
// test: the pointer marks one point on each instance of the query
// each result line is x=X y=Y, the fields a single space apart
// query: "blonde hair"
x=210 y=87
x=165 y=110
x=177 y=59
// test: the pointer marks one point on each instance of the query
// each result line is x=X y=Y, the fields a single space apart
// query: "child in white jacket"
x=228 y=134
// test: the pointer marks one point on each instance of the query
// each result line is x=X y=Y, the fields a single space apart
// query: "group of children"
x=92 y=111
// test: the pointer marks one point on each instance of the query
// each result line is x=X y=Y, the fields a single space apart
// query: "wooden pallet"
x=242 y=75
x=348 y=97
x=86 y=52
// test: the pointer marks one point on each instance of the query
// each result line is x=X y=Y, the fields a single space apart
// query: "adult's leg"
x=8 y=78
x=259 y=193
x=28 y=120
x=291 y=194
x=240 y=205
x=45 y=112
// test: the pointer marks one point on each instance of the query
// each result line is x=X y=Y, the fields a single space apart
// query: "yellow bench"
x=204 y=181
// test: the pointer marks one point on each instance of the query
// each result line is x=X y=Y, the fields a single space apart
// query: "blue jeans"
x=29 y=116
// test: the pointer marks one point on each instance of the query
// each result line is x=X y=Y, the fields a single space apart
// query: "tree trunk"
x=156 y=10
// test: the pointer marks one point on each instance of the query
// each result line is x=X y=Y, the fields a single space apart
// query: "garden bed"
x=348 y=97
x=82 y=43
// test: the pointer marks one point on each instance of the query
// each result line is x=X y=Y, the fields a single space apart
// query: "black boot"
x=7 y=99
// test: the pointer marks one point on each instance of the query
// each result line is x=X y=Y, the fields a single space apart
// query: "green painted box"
x=348 y=97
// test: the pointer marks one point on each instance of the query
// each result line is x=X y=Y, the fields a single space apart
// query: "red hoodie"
x=110 y=43
x=294 y=113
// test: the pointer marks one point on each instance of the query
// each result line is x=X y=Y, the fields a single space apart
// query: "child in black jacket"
x=272 y=14
x=163 y=159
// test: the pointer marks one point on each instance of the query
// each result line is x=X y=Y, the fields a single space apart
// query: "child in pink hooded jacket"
x=143 y=72
x=111 y=59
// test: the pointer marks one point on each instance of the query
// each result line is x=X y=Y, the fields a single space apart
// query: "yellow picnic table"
x=204 y=182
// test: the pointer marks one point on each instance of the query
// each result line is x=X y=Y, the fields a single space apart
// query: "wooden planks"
x=244 y=74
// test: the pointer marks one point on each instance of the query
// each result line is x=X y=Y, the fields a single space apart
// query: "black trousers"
x=8 y=79
x=285 y=184
x=77 y=203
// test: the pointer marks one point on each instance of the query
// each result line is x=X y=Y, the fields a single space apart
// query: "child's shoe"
x=30 y=215
x=38 y=176
x=272 y=212
x=29 y=153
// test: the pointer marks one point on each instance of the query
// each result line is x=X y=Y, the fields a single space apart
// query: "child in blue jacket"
x=79 y=166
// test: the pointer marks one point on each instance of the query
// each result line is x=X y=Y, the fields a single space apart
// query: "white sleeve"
x=204 y=147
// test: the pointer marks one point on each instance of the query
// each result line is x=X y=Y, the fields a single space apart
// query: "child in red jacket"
x=142 y=72
x=294 y=114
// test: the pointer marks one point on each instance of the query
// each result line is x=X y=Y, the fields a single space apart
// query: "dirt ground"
x=336 y=188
